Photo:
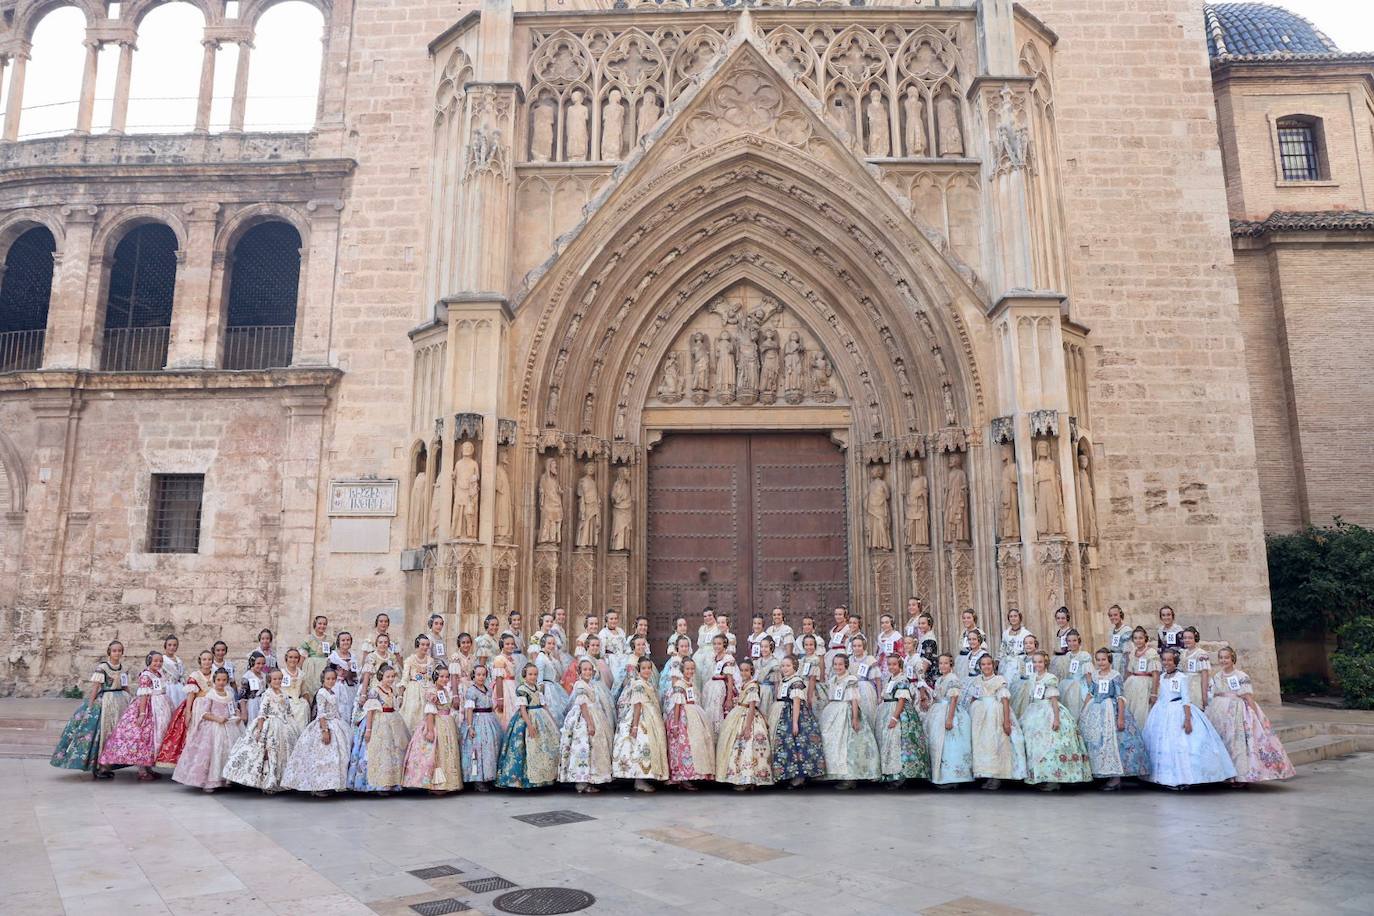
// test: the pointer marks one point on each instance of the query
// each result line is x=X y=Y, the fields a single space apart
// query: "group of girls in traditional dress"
x=792 y=706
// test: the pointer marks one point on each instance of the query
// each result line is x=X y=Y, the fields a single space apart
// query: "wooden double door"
x=745 y=522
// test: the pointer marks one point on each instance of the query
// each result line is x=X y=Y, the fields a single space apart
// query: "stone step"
x=50 y=724
x=40 y=737
x=39 y=752
x=1320 y=747
x=1290 y=733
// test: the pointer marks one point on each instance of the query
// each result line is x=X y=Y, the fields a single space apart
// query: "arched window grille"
x=24 y=296
x=265 y=273
x=1302 y=152
x=138 y=310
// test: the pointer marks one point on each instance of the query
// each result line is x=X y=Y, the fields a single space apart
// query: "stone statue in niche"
x=747 y=380
x=1049 y=501
x=612 y=126
x=436 y=503
x=951 y=133
x=878 y=507
x=576 y=147
x=914 y=109
x=622 y=510
x=588 y=508
x=550 y=504
x=879 y=134
x=956 y=501
x=918 y=506
x=947 y=399
x=419 y=506
x=672 y=386
x=770 y=366
x=725 y=368
x=467 y=492
x=618 y=429
x=701 y=368
x=794 y=355
x=1009 y=514
x=505 y=506
x=541 y=131
x=821 y=375
x=1087 y=505
x=650 y=111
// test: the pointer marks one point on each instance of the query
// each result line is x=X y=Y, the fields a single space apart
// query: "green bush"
x=1321 y=578
x=72 y=693
x=1353 y=662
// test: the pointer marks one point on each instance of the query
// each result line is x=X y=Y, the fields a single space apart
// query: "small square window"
x=1300 y=153
x=174 y=513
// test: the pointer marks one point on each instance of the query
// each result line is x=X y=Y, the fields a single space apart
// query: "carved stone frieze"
x=507 y=431
x=1009 y=575
x=1044 y=422
x=1003 y=429
x=467 y=426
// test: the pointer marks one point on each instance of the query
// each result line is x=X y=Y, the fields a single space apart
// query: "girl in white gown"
x=319 y=761
x=847 y=732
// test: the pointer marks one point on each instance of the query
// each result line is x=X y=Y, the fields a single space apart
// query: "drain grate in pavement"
x=554 y=818
x=543 y=901
x=487 y=885
x=436 y=871
x=440 y=907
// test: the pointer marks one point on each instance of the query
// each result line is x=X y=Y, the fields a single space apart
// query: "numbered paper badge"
x=1104 y=687
x=285 y=679
x=755 y=649
x=1075 y=666
x=438 y=648
x=1192 y=666
x=1030 y=667
x=1063 y=642
x=1040 y=691
x=124 y=679
x=1175 y=684
x=1170 y=638
x=863 y=672
x=1116 y=640
x=1233 y=682
x=837 y=693
x=1142 y=665
x=690 y=694
x=324 y=646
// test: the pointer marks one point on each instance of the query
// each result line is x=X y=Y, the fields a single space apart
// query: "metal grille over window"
x=265 y=273
x=174 y=513
x=1298 y=151
x=138 y=312
x=24 y=296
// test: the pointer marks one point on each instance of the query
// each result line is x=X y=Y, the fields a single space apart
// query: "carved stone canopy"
x=506 y=431
x=467 y=426
x=1044 y=422
x=1003 y=429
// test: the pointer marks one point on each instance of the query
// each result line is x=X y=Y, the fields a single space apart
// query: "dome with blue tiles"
x=1252 y=29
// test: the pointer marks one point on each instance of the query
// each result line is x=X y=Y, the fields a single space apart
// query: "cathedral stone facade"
x=646 y=306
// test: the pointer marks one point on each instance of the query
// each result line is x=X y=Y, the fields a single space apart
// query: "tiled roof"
x=1292 y=221
x=1258 y=29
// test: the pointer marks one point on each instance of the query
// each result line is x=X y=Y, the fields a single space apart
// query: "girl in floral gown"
x=948 y=730
x=679 y=652
x=811 y=669
x=1142 y=676
x=202 y=760
x=798 y=748
x=851 y=744
x=266 y=649
x=373 y=659
x=434 y=759
x=1184 y=747
x=1020 y=676
x=487 y=645
x=706 y=635
x=887 y=642
x=1059 y=647
x=481 y=732
x=1119 y=638
x=197 y=684
x=1109 y=730
x=720 y=684
x=766 y=674
x=869 y=677
x=1073 y=683
x=902 y=749
x=1170 y=632
x=173 y=671
x=1255 y=750
x=82 y=740
x=293 y=686
x=968 y=622
x=315 y=652
x=416 y=676
x=319 y=761
x=385 y=734
x=1196 y=664
x=258 y=758
x=743 y=752
x=640 y=751
x=999 y=748
x=1011 y=655
x=550 y=664
x=220 y=652
x=253 y=686
x=584 y=746
x=691 y=738
x=349 y=668
x=1054 y=751
x=529 y=751
x=505 y=673
x=138 y=734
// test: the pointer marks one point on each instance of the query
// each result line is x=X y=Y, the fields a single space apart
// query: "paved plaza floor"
x=72 y=845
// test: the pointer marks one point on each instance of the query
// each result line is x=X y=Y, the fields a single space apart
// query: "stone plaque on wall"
x=363 y=497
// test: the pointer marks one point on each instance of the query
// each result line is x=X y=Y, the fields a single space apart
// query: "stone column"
x=314 y=301
x=86 y=106
x=119 y=114
x=67 y=312
x=188 y=346
x=14 y=106
x=206 y=95
x=238 y=109
x=300 y=484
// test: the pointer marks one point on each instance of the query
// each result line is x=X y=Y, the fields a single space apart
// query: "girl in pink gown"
x=137 y=737
x=217 y=727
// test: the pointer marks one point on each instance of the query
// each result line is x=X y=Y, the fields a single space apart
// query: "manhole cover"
x=487 y=885
x=543 y=901
x=436 y=871
x=554 y=818
x=440 y=907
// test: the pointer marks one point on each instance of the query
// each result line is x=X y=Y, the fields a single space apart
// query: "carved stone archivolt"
x=745 y=347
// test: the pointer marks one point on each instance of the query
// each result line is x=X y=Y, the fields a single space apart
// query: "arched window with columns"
x=283 y=89
x=45 y=88
x=264 y=283
x=167 y=67
x=24 y=295
x=138 y=307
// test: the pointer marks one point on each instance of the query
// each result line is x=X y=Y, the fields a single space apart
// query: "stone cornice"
x=308 y=169
x=295 y=380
